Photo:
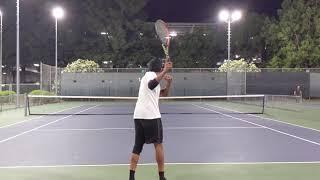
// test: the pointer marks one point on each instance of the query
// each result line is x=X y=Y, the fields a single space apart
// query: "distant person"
x=298 y=92
x=147 y=117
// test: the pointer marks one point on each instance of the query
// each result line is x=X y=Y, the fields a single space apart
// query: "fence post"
x=245 y=81
x=41 y=76
x=50 y=80
x=25 y=104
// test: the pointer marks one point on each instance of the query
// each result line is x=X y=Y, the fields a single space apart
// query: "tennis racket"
x=164 y=36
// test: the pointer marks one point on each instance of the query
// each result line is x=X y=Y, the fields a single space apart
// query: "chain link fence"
x=48 y=80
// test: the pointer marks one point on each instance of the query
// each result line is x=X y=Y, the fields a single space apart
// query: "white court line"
x=13 y=124
x=169 y=128
x=287 y=134
x=154 y=164
x=270 y=119
x=34 y=129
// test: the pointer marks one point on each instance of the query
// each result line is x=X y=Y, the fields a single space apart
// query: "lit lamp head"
x=236 y=15
x=173 y=34
x=58 y=13
x=224 y=15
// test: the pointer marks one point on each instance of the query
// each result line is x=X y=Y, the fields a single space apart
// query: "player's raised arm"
x=165 y=91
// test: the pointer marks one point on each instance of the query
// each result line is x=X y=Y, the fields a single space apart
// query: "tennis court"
x=212 y=141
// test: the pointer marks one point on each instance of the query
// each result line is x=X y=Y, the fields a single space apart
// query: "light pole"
x=57 y=14
x=229 y=17
x=1 y=31
x=18 y=56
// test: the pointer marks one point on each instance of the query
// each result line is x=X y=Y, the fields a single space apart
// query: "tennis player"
x=147 y=117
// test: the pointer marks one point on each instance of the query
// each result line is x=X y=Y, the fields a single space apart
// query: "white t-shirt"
x=147 y=106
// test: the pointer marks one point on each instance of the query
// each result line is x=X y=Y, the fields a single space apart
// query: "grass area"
x=54 y=107
x=12 y=116
x=173 y=172
x=8 y=117
x=305 y=116
x=4 y=107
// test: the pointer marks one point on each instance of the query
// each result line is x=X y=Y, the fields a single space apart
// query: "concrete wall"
x=277 y=83
x=127 y=84
x=193 y=83
x=315 y=85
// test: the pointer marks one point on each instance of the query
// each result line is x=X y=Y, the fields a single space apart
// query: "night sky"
x=192 y=11
x=205 y=10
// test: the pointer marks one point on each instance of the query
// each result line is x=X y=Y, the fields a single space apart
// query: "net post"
x=263 y=104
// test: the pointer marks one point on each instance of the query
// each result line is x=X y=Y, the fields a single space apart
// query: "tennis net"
x=89 y=105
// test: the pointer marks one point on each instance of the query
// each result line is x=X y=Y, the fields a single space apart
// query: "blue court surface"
x=220 y=137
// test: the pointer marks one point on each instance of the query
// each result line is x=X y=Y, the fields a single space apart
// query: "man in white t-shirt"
x=147 y=117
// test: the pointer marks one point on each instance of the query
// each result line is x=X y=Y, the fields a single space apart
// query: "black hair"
x=155 y=65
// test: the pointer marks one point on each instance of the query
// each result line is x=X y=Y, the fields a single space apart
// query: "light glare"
x=58 y=12
x=224 y=15
x=173 y=34
x=236 y=15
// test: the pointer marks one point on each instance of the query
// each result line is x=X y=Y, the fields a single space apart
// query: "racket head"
x=164 y=35
x=162 y=32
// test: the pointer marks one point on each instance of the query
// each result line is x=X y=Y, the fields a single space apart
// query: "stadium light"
x=224 y=15
x=173 y=34
x=236 y=15
x=230 y=17
x=57 y=13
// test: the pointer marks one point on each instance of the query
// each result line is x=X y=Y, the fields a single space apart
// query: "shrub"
x=41 y=92
x=7 y=93
x=238 y=66
x=81 y=65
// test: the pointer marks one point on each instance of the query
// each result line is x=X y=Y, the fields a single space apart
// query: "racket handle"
x=167 y=59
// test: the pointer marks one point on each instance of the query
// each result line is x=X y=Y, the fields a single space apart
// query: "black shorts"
x=148 y=131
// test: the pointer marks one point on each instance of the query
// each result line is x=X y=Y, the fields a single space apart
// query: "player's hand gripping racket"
x=163 y=34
